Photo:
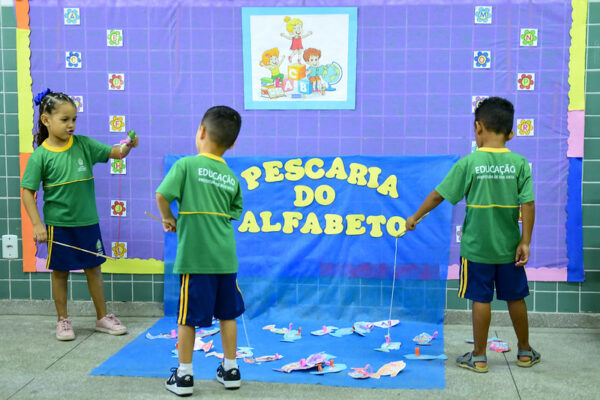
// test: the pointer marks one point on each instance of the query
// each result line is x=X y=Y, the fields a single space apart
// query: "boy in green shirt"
x=209 y=197
x=495 y=182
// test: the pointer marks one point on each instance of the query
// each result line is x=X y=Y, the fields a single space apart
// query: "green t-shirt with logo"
x=67 y=179
x=495 y=182
x=209 y=196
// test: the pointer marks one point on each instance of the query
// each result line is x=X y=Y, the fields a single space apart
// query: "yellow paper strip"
x=24 y=92
x=577 y=55
x=133 y=266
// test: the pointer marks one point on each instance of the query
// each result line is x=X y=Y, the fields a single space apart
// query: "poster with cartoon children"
x=299 y=57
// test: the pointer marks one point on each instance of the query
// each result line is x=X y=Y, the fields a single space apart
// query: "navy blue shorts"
x=61 y=258
x=477 y=281
x=203 y=296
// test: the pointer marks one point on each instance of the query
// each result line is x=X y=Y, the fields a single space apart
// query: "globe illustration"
x=332 y=74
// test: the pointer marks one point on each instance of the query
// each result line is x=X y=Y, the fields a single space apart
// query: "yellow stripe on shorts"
x=463 y=278
x=51 y=235
x=183 y=299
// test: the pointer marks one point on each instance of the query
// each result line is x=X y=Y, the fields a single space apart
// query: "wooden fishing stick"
x=80 y=249
x=153 y=217
x=419 y=220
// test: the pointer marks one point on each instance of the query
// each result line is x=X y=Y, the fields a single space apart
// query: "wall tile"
x=568 y=302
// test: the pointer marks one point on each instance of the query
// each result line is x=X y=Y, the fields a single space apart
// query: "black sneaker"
x=181 y=386
x=230 y=379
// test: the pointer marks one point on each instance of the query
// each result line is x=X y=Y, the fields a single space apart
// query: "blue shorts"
x=477 y=281
x=61 y=258
x=203 y=296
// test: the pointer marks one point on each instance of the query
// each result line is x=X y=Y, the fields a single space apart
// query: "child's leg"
x=186 y=335
x=59 y=292
x=96 y=288
x=229 y=338
x=518 y=314
x=482 y=315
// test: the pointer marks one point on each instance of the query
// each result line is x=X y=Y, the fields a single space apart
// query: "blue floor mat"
x=153 y=358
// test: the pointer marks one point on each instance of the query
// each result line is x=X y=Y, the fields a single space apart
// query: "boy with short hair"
x=209 y=197
x=493 y=250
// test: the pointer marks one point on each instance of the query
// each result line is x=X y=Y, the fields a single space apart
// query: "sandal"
x=468 y=361
x=534 y=358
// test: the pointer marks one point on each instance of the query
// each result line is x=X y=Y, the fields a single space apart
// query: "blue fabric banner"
x=318 y=235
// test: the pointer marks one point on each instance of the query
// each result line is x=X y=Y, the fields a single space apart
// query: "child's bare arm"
x=168 y=219
x=115 y=152
x=40 y=234
x=522 y=255
x=430 y=202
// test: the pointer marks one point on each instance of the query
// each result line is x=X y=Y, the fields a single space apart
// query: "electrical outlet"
x=10 y=248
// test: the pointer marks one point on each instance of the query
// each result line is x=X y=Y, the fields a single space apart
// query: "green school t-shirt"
x=67 y=179
x=209 y=196
x=495 y=182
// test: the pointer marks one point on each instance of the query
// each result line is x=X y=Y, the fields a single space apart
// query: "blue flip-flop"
x=468 y=361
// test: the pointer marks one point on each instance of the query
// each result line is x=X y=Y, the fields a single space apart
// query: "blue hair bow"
x=40 y=96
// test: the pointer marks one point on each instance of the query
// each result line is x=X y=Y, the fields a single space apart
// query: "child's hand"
x=169 y=224
x=134 y=142
x=40 y=234
x=522 y=254
x=411 y=223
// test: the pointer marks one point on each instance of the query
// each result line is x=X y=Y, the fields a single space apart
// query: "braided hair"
x=48 y=102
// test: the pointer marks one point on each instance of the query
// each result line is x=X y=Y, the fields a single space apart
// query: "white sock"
x=185 y=369
x=229 y=364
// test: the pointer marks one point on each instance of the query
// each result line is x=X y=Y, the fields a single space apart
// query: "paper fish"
x=207 y=332
x=292 y=335
x=159 y=336
x=387 y=346
x=424 y=338
x=426 y=357
x=214 y=353
x=263 y=359
x=243 y=352
x=324 y=330
x=306 y=363
x=363 y=328
x=361 y=373
x=386 y=323
x=200 y=345
x=329 y=369
x=500 y=347
x=390 y=369
x=342 y=332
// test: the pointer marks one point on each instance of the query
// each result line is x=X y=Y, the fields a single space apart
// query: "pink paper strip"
x=576 y=127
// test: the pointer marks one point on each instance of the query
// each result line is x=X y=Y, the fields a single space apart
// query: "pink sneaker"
x=111 y=325
x=64 y=329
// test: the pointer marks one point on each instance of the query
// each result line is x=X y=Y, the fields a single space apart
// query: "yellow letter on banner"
x=312 y=225
x=391 y=226
x=251 y=176
x=376 y=221
x=314 y=162
x=249 y=223
x=266 y=222
x=389 y=187
x=291 y=220
x=272 y=173
x=337 y=170
x=354 y=224
x=319 y=195
x=302 y=190
x=294 y=169
x=374 y=173
x=333 y=224
x=357 y=174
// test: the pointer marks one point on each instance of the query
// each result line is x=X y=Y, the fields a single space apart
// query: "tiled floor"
x=33 y=365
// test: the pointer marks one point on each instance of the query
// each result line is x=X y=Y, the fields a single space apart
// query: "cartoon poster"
x=299 y=58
